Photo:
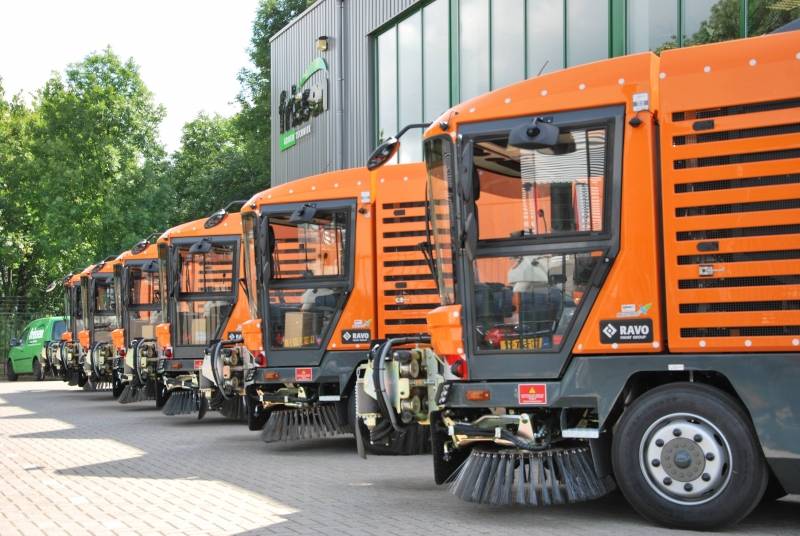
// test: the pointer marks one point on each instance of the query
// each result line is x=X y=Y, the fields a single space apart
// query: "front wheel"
x=38 y=370
x=10 y=374
x=686 y=456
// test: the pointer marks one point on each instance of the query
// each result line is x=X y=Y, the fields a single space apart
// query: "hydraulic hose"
x=214 y=357
x=379 y=380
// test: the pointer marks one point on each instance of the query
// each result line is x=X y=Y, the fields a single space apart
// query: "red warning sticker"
x=303 y=374
x=532 y=394
x=198 y=363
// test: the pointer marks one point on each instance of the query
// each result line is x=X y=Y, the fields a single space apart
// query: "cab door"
x=309 y=277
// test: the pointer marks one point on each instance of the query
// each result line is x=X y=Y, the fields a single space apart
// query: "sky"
x=189 y=51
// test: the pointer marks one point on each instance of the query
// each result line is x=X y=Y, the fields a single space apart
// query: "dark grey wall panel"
x=351 y=123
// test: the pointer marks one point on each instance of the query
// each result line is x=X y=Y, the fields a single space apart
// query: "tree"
x=211 y=168
x=254 y=119
x=85 y=170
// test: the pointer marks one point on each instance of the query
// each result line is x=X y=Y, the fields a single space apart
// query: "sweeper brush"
x=136 y=392
x=302 y=423
x=231 y=408
x=556 y=476
x=182 y=402
x=94 y=385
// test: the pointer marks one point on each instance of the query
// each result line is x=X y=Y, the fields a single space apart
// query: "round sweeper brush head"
x=542 y=478
x=302 y=423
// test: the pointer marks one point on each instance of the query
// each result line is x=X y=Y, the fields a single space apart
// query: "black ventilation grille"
x=746 y=331
x=732 y=208
x=403 y=234
x=742 y=158
x=408 y=277
x=739 y=109
x=405 y=204
x=400 y=249
x=417 y=262
x=726 y=282
x=404 y=219
x=739 y=232
x=729 y=184
x=411 y=292
x=405 y=321
x=740 y=307
x=727 y=135
x=411 y=306
x=779 y=255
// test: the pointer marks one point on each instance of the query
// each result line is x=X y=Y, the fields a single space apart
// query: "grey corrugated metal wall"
x=294 y=48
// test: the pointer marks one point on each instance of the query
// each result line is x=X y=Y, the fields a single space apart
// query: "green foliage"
x=211 y=168
x=254 y=119
x=79 y=172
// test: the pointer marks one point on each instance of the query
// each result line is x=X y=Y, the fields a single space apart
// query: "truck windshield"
x=308 y=276
x=524 y=293
x=206 y=281
x=104 y=317
x=438 y=159
x=144 y=304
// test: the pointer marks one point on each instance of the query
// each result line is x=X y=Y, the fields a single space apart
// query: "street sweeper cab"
x=617 y=253
x=138 y=289
x=70 y=351
x=206 y=302
x=99 y=312
x=335 y=264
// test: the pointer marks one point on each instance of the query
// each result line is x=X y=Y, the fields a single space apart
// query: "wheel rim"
x=686 y=459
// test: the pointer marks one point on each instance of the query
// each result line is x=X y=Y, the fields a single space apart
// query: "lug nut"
x=710 y=456
x=706 y=477
x=655 y=463
x=659 y=442
x=698 y=438
x=667 y=481
x=676 y=432
x=688 y=487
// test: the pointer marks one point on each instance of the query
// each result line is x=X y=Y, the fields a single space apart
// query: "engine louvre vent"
x=731 y=206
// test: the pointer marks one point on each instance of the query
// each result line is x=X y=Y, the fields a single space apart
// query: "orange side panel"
x=406 y=290
x=730 y=170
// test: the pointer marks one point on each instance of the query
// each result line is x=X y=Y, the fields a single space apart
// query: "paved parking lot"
x=75 y=462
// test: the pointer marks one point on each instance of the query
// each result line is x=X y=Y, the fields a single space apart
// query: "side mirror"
x=203 y=246
x=470 y=238
x=304 y=214
x=52 y=286
x=468 y=177
x=383 y=153
x=537 y=134
x=15 y=342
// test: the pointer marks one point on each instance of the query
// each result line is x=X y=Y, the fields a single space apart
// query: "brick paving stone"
x=75 y=463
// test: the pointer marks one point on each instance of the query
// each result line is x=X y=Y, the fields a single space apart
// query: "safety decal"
x=356 y=336
x=532 y=394
x=198 y=363
x=303 y=374
x=628 y=331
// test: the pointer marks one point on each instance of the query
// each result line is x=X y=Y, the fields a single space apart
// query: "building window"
x=473 y=31
x=545 y=35
x=709 y=21
x=413 y=73
x=652 y=25
x=587 y=31
x=764 y=16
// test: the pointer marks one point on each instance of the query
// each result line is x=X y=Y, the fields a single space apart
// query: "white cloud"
x=189 y=51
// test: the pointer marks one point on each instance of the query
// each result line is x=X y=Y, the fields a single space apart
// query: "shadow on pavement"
x=321 y=479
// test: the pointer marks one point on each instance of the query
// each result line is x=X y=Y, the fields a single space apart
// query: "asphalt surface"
x=73 y=462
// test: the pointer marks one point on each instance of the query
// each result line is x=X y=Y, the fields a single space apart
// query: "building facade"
x=348 y=73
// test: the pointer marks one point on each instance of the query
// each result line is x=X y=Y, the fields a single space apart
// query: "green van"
x=27 y=355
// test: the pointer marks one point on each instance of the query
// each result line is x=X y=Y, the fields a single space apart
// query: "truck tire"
x=10 y=374
x=256 y=416
x=686 y=456
x=38 y=370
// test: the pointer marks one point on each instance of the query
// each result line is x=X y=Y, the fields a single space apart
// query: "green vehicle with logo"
x=29 y=353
